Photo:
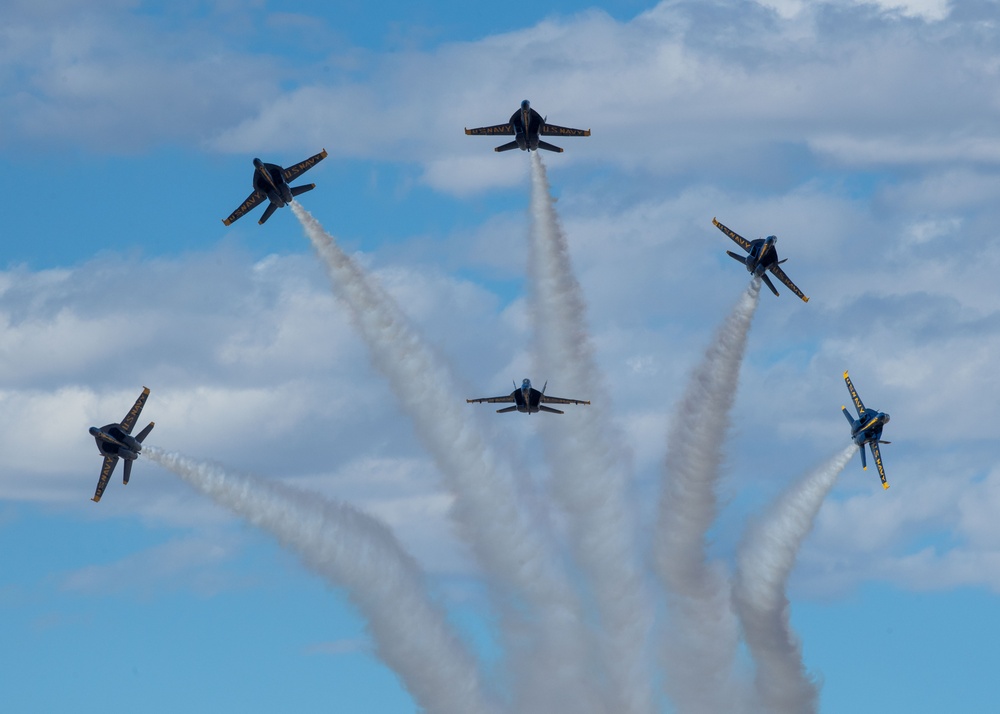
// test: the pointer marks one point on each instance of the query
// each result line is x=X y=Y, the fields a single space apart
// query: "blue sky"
x=862 y=134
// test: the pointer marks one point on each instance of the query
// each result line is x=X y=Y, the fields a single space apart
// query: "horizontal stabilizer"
x=506 y=147
x=145 y=432
x=850 y=419
x=544 y=408
x=507 y=409
x=767 y=280
x=267 y=213
x=127 y=471
x=734 y=256
x=549 y=147
x=296 y=190
x=884 y=442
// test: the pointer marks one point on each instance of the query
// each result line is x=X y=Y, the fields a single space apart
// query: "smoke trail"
x=486 y=507
x=704 y=633
x=766 y=557
x=354 y=551
x=589 y=470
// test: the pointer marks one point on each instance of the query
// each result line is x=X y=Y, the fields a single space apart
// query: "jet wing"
x=780 y=275
x=293 y=172
x=505 y=129
x=102 y=482
x=559 y=400
x=252 y=201
x=740 y=240
x=553 y=130
x=492 y=400
x=129 y=421
x=854 y=394
x=877 y=455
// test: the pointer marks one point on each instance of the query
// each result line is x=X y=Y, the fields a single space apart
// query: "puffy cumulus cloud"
x=683 y=88
x=111 y=78
x=250 y=362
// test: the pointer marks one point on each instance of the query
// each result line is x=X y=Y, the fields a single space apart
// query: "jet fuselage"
x=113 y=441
x=269 y=179
x=868 y=428
x=762 y=255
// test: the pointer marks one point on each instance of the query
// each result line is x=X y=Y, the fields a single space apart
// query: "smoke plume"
x=765 y=561
x=486 y=509
x=703 y=632
x=590 y=470
x=356 y=552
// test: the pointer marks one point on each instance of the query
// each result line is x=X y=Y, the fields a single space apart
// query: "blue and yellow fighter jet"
x=115 y=441
x=527 y=400
x=762 y=256
x=866 y=429
x=270 y=182
x=526 y=125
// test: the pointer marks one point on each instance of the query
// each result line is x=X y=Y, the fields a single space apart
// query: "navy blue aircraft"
x=762 y=256
x=270 y=182
x=115 y=441
x=866 y=429
x=527 y=400
x=526 y=125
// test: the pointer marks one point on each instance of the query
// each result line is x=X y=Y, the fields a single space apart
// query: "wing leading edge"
x=251 y=202
x=877 y=456
x=553 y=130
x=854 y=394
x=129 y=421
x=737 y=238
x=293 y=172
x=780 y=275
x=106 y=470
x=497 y=129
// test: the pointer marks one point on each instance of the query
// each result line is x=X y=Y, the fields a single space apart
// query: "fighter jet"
x=526 y=125
x=114 y=441
x=528 y=400
x=763 y=256
x=270 y=182
x=866 y=429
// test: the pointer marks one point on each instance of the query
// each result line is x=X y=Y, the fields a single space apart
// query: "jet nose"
x=886 y=419
x=525 y=104
x=94 y=431
x=258 y=163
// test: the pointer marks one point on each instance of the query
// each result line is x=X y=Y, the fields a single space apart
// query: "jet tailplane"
x=850 y=419
x=271 y=208
x=549 y=147
x=769 y=283
x=507 y=409
x=506 y=147
x=864 y=461
x=544 y=408
x=296 y=190
x=127 y=471
x=145 y=432
x=737 y=256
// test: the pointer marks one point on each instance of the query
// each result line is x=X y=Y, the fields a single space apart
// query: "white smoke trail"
x=486 y=507
x=704 y=633
x=765 y=561
x=589 y=469
x=354 y=551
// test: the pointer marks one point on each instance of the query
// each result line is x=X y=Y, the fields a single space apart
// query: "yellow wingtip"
x=805 y=299
x=885 y=486
x=845 y=374
x=864 y=468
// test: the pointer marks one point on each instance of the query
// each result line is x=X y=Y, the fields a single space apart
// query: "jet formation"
x=761 y=257
x=270 y=182
x=866 y=429
x=527 y=126
x=527 y=400
x=115 y=441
